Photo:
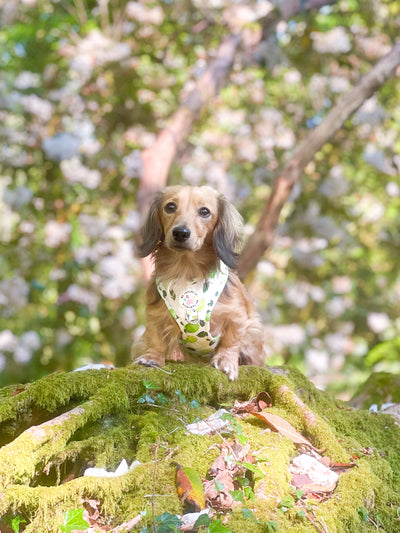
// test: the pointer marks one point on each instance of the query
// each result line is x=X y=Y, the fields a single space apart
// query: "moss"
x=96 y=418
x=380 y=387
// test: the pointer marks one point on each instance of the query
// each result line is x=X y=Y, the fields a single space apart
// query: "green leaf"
x=249 y=493
x=217 y=526
x=248 y=514
x=181 y=397
x=271 y=526
x=15 y=522
x=194 y=404
x=362 y=511
x=190 y=487
x=299 y=494
x=203 y=520
x=149 y=384
x=301 y=513
x=218 y=485
x=253 y=468
x=168 y=523
x=237 y=495
x=286 y=503
x=162 y=399
x=73 y=519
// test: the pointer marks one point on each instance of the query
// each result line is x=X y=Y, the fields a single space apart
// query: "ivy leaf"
x=203 y=520
x=362 y=511
x=218 y=485
x=271 y=526
x=189 y=487
x=248 y=514
x=253 y=468
x=15 y=522
x=217 y=526
x=73 y=519
x=149 y=384
x=237 y=495
x=181 y=397
x=168 y=523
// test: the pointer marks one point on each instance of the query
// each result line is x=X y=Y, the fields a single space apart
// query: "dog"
x=197 y=308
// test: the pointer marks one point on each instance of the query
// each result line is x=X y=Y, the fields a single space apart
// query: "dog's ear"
x=228 y=232
x=152 y=231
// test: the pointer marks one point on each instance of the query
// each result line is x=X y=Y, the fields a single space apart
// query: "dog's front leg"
x=155 y=346
x=226 y=357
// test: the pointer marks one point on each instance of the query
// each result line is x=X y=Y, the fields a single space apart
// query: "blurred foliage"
x=86 y=86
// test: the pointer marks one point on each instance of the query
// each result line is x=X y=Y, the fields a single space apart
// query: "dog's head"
x=184 y=218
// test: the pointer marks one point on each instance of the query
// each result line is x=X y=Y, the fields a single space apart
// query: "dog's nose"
x=181 y=233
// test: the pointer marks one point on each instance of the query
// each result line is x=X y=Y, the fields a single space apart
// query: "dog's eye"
x=204 y=212
x=170 y=207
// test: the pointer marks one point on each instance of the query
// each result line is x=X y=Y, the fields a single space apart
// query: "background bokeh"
x=85 y=86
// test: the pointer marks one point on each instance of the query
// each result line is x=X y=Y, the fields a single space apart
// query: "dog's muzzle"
x=181 y=233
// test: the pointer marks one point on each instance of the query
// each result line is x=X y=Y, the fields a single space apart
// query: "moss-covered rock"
x=53 y=429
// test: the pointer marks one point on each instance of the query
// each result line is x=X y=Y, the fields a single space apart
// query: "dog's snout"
x=181 y=233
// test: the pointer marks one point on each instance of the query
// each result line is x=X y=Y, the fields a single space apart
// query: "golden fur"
x=188 y=229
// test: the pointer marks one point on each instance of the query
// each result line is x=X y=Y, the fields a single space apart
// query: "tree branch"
x=157 y=159
x=264 y=232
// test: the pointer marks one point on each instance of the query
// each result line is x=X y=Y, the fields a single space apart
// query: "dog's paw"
x=229 y=367
x=149 y=360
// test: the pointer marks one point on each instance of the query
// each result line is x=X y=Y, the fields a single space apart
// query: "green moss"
x=108 y=421
x=380 y=387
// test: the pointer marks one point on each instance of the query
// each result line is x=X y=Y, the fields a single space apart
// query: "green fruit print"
x=191 y=328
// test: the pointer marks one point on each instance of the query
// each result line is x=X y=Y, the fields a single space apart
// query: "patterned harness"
x=191 y=304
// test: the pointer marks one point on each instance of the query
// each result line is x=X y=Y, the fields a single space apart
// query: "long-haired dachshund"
x=197 y=309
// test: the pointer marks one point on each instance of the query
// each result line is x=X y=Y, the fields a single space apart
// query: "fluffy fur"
x=188 y=229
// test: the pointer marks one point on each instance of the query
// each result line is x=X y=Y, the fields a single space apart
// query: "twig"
x=153 y=499
x=223 y=439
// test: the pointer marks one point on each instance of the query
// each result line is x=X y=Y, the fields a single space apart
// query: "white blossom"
x=31 y=340
x=22 y=354
x=18 y=197
x=75 y=172
x=317 y=361
x=133 y=164
x=393 y=189
x=3 y=360
x=129 y=318
x=334 y=41
x=27 y=80
x=144 y=13
x=335 y=185
x=8 y=341
x=13 y=295
x=378 y=322
x=289 y=334
x=57 y=233
x=337 y=306
x=37 y=106
x=81 y=295
x=61 y=146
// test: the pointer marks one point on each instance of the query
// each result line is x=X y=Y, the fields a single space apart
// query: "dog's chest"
x=191 y=304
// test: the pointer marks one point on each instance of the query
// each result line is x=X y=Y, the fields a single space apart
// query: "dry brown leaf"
x=284 y=428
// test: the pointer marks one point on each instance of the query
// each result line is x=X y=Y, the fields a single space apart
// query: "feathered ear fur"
x=152 y=231
x=228 y=232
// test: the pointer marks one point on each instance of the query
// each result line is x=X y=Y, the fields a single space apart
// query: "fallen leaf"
x=310 y=475
x=189 y=487
x=284 y=428
x=256 y=404
x=342 y=467
x=211 y=424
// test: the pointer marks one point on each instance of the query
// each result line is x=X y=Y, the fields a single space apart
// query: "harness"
x=191 y=304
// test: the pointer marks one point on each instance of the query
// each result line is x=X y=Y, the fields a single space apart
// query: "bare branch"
x=263 y=235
